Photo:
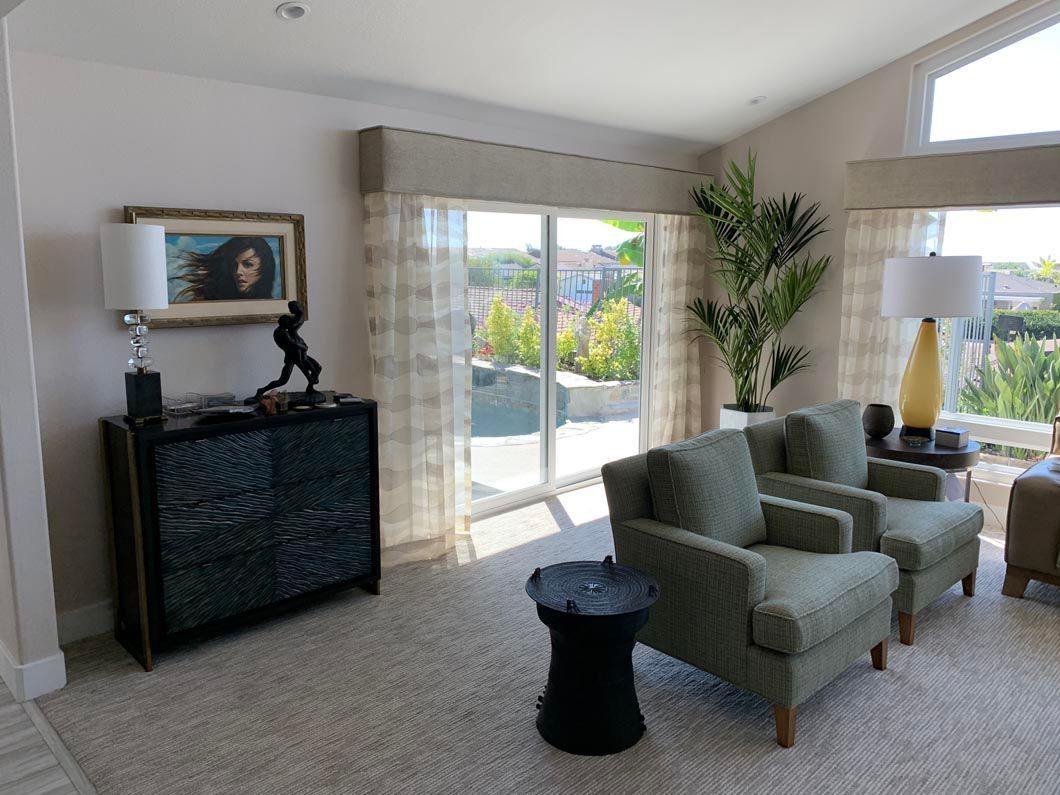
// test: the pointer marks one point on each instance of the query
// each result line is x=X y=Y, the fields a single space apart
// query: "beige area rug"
x=430 y=688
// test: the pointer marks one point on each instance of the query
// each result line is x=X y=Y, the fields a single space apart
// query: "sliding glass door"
x=559 y=305
x=505 y=297
x=599 y=297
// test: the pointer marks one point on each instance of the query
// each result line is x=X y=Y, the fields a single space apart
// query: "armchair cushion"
x=811 y=597
x=810 y=528
x=911 y=481
x=827 y=442
x=920 y=534
x=706 y=485
x=766 y=443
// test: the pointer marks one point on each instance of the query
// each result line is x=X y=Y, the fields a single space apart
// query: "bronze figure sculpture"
x=295 y=355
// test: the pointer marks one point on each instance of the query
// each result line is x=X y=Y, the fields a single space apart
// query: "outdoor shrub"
x=492 y=258
x=566 y=347
x=1023 y=384
x=528 y=340
x=1042 y=324
x=614 y=352
x=500 y=330
x=481 y=276
x=525 y=279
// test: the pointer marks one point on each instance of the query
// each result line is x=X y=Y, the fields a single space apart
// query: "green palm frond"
x=766 y=275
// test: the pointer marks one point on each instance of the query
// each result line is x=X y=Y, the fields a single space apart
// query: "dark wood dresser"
x=220 y=521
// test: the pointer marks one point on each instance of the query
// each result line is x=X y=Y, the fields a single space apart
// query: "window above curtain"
x=991 y=91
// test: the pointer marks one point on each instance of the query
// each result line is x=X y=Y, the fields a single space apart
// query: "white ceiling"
x=680 y=73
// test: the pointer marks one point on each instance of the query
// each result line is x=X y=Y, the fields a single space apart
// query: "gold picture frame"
x=208 y=283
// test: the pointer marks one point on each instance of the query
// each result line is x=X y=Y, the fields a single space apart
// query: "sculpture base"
x=307 y=398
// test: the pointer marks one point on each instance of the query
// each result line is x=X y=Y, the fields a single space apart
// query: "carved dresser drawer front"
x=193 y=533
x=317 y=561
x=219 y=589
x=214 y=467
x=314 y=449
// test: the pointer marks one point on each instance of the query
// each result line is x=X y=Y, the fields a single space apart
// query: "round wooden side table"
x=951 y=459
x=593 y=611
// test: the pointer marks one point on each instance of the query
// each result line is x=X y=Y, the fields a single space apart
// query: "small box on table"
x=951 y=437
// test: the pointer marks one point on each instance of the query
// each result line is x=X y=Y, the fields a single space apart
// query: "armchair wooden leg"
x=906 y=627
x=968 y=583
x=785 y=718
x=1015 y=583
x=879 y=655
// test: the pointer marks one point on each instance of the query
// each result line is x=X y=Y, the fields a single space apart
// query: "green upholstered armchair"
x=760 y=591
x=817 y=455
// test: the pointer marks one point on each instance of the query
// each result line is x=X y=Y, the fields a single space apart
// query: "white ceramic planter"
x=732 y=417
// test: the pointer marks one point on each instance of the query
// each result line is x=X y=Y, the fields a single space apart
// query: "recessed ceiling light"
x=758 y=100
x=292 y=11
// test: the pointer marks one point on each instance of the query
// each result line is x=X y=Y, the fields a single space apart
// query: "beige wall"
x=94 y=138
x=806 y=151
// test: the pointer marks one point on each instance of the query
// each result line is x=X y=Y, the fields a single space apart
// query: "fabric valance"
x=403 y=161
x=1030 y=175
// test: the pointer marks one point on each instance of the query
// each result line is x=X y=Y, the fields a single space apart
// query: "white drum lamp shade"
x=928 y=288
x=932 y=287
x=134 y=266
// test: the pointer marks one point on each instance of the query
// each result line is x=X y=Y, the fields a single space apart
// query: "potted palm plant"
x=767 y=276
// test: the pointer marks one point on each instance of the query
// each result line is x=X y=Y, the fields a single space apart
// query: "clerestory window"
x=997 y=90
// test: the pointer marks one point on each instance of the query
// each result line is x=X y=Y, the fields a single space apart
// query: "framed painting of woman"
x=227 y=267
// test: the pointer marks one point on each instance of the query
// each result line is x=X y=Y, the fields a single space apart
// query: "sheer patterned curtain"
x=679 y=267
x=873 y=349
x=420 y=338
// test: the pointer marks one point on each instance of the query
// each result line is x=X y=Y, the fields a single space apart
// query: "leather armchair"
x=1032 y=532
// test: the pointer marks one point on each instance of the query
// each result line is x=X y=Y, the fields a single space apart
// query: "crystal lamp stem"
x=137 y=322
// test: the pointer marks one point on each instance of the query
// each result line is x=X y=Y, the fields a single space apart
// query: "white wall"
x=94 y=138
x=806 y=150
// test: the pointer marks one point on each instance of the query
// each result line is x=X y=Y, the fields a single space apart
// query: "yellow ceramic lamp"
x=928 y=288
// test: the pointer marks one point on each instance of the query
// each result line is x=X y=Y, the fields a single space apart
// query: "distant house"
x=579 y=273
x=1018 y=292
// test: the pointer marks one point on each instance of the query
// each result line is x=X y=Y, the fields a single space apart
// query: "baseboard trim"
x=32 y=679
x=85 y=622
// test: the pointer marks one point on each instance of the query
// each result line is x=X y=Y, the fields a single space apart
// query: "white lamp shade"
x=134 y=266
x=932 y=287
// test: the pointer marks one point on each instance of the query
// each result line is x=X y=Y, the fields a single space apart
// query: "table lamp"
x=134 y=280
x=929 y=288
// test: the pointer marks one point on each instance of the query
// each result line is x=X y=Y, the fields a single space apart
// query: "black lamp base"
x=143 y=397
x=921 y=433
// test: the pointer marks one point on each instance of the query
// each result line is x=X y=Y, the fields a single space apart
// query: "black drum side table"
x=951 y=459
x=593 y=611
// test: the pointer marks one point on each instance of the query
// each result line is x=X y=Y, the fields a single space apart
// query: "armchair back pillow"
x=827 y=442
x=706 y=485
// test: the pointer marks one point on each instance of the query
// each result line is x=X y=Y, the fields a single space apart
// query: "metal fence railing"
x=522 y=288
x=968 y=345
